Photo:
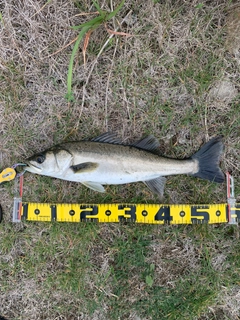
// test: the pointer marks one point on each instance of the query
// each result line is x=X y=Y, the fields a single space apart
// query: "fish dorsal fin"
x=149 y=143
x=107 y=137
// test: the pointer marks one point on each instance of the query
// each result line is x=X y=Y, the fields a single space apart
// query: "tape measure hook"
x=232 y=216
x=230 y=186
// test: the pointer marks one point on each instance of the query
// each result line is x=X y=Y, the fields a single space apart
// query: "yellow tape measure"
x=138 y=213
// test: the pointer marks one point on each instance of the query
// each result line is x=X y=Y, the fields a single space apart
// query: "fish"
x=104 y=160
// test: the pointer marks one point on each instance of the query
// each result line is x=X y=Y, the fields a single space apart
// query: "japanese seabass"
x=104 y=160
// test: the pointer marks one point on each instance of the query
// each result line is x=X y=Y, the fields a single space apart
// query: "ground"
x=172 y=71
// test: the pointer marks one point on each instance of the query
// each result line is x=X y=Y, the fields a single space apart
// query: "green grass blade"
x=70 y=68
x=1 y=18
x=90 y=25
x=114 y=12
x=101 y=12
x=94 y=21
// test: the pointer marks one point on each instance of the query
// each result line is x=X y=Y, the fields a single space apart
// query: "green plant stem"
x=70 y=68
x=85 y=27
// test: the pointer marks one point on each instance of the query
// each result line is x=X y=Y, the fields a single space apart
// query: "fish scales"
x=123 y=164
x=104 y=160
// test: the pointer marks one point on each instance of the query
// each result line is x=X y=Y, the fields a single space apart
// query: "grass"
x=86 y=29
x=174 y=78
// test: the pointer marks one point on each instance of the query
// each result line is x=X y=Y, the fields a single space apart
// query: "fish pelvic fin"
x=94 y=186
x=156 y=185
x=208 y=158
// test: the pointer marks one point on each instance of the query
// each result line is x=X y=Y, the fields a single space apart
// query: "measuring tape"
x=138 y=213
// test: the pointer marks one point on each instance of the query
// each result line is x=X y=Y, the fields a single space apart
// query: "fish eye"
x=40 y=158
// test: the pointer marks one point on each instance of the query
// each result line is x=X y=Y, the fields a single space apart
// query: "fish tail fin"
x=208 y=158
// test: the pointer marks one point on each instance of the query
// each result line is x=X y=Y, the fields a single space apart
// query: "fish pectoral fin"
x=156 y=185
x=84 y=167
x=94 y=186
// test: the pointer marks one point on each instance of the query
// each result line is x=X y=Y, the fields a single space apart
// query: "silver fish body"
x=104 y=161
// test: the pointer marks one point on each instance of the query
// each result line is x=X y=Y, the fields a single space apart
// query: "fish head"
x=50 y=162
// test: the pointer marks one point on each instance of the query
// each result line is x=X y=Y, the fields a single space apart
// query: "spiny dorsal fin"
x=149 y=143
x=107 y=137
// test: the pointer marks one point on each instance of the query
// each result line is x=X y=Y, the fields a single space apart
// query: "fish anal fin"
x=94 y=186
x=156 y=185
x=149 y=143
x=84 y=167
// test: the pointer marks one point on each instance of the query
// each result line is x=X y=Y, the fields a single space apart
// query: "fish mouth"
x=30 y=167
